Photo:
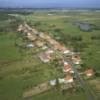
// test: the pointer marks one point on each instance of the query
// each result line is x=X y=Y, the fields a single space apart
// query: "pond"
x=85 y=26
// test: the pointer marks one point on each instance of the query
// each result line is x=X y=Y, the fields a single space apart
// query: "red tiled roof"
x=89 y=72
x=67 y=66
x=76 y=59
x=68 y=77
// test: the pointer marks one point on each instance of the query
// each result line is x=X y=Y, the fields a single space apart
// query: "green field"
x=20 y=69
x=60 y=25
x=58 y=96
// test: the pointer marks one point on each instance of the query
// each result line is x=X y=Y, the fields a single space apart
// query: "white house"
x=30 y=45
x=67 y=51
x=61 y=80
x=53 y=82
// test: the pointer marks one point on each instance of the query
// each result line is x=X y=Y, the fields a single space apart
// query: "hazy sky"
x=50 y=3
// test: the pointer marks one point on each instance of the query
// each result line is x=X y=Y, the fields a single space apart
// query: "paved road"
x=89 y=93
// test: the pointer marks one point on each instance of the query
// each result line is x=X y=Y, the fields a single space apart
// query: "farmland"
x=21 y=69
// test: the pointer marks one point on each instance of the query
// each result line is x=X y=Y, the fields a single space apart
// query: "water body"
x=86 y=26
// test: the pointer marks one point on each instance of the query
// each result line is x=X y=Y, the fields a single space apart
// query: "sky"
x=50 y=3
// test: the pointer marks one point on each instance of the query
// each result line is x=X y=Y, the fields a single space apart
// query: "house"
x=89 y=72
x=25 y=31
x=50 y=51
x=44 y=47
x=42 y=35
x=67 y=51
x=29 y=34
x=20 y=28
x=67 y=68
x=53 y=82
x=30 y=45
x=65 y=63
x=60 y=47
x=39 y=43
x=47 y=36
x=68 y=79
x=31 y=37
x=76 y=59
x=52 y=42
x=61 y=80
x=45 y=57
x=34 y=31
x=27 y=26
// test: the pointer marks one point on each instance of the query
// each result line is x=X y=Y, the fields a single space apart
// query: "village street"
x=69 y=64
x=90 y=94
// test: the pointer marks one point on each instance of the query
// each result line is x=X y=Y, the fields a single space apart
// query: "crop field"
x=21 y=69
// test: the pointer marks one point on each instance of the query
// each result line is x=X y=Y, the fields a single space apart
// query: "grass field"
x=60 y=24
x=52 y=95
x=20 y=69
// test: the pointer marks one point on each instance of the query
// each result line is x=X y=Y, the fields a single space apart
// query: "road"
x=89 y=93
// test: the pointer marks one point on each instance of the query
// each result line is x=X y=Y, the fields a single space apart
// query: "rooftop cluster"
x=52 y=49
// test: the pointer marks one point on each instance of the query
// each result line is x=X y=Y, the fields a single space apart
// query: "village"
x=52 y=50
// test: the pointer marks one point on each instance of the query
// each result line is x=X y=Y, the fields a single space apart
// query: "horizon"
x=50 y=4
